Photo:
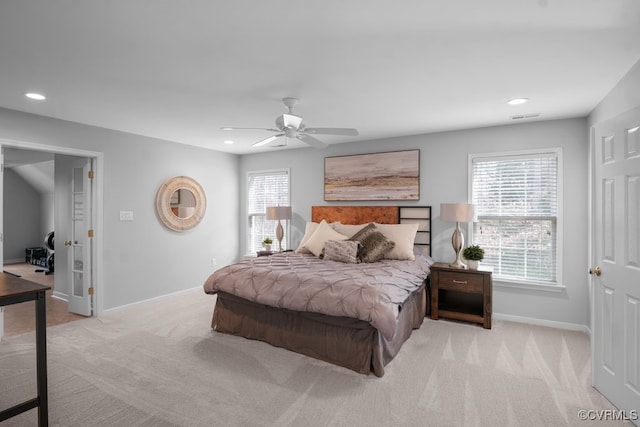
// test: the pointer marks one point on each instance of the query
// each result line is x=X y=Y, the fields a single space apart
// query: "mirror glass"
x=183 y=203
x=180 y=203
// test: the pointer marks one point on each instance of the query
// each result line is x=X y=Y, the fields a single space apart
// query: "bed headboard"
x=382 y=215
x=355 y=214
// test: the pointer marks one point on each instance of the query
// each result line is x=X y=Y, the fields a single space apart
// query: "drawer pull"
x=462 y=282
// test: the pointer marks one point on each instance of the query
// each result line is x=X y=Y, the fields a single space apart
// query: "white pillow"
x=323 y=233
x=403 y=235
x=308 y=231
x=348 y=229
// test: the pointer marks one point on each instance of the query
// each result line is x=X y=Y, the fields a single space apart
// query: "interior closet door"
x=615 y=270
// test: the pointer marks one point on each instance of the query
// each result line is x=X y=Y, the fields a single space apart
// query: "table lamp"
x=279 y=213
x=458 y=212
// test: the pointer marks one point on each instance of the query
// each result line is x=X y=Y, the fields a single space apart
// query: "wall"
x=143 y=259
x=443 y=178
x=22 y=207
x=623 y=97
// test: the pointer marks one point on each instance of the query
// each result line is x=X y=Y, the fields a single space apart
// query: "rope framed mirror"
x=180 y=203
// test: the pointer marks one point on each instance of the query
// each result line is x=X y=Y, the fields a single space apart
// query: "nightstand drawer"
x=460 y=281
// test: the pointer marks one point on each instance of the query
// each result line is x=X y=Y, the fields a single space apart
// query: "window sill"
x=528 y=286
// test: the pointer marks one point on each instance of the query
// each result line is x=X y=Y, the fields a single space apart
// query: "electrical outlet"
x=214 y=262
x=126 y=215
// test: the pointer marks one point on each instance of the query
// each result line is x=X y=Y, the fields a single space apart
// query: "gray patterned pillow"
x=373 y=244
x=341 y=250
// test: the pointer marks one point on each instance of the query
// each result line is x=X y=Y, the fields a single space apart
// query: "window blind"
x=516 y=200
x=265 y=188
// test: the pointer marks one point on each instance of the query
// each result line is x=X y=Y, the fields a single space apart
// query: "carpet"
x=160 y=364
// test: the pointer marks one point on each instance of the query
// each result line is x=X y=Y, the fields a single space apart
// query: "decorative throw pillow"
x=341 y=250
x=373 y=244
x=323 y=233
x=404 y=236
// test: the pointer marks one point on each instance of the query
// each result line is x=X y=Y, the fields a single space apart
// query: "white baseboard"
x=60 y=296
x=542 y=322
x=133 y=304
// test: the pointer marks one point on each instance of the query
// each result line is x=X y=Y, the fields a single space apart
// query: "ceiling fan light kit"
x=292 y=126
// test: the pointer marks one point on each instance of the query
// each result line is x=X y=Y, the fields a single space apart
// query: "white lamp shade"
x=278 y=212
x=458 y=212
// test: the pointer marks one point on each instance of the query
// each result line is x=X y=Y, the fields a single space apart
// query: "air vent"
x=525 y=116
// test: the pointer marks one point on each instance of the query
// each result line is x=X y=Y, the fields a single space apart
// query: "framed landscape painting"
x=379 y=176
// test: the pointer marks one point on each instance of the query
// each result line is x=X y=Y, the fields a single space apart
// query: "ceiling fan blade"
x=231 y=128
x=308 y=139
x=332 y=131
x=267 y=140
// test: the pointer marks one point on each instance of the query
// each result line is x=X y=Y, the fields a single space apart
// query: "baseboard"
x=542 y=322
x=13 y=261
x=60 y=296
x=133 y=304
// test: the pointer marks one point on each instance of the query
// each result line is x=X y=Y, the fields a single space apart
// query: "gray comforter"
x=301 y=282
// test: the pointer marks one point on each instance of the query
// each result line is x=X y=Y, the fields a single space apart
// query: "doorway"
x=22 y=153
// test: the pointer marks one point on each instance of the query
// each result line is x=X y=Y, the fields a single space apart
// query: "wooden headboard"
x=381 y=215
x=356 y=214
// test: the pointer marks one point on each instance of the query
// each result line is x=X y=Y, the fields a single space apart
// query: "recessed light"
x=36 y=96
x=517 y=101
x=229 y=142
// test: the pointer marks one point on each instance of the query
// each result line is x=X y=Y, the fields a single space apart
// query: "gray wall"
x=143 y=259
x=443 y=178
x=623 y=97
x=22 y=218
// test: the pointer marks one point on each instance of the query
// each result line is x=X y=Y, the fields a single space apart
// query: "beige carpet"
x=160 y=364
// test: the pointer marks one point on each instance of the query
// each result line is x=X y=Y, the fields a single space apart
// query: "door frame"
x=97 y=250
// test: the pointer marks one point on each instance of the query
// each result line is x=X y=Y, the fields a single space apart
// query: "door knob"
x=67 y=242
x=597 y=271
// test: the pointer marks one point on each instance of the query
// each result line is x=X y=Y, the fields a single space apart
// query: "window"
x=517 y=202
x=265 y=188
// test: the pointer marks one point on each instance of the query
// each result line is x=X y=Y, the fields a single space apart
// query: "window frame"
x=558 y=285
x=249 y=215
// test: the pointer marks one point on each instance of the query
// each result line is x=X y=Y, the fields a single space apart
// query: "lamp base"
x=279 y=235
x=458 y=264
x=457 y=241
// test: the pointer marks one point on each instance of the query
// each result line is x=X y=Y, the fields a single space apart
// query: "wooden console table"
x=14 y=290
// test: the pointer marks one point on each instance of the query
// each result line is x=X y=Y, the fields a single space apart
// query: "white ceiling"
x=181 y=70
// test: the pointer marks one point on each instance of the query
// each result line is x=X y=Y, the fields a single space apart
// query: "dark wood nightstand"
x=461 y=294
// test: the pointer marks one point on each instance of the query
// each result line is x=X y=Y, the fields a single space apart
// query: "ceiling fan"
x=289 y=125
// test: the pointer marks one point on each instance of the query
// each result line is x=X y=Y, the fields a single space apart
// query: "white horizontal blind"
x=516 y=200
x=266 y=188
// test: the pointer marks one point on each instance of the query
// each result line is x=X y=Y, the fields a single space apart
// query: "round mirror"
x=180 y=203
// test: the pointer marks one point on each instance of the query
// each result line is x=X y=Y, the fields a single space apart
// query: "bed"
x=352 y=314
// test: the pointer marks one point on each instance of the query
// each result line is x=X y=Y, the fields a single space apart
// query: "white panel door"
x=616 y=264
x=1 y=231
x=80 y=242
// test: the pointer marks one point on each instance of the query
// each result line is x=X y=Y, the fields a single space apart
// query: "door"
x=1 y=231
x=79 y=244
x=616 y=261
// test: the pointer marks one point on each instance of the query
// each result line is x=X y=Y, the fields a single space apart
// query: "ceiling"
x=182 y=70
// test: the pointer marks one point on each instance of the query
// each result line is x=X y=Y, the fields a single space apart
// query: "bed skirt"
x=346 y=342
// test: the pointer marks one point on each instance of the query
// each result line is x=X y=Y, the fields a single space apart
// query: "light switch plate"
x=126 y=215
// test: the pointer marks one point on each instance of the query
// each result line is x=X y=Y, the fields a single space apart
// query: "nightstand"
x=461 y=294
